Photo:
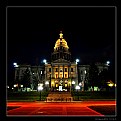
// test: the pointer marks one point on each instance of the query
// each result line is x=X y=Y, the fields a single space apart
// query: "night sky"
x=33 y=31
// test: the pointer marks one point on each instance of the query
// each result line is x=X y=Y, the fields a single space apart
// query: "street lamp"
x=15 y=64
x=77 y=88
x=40 y=88
x=47 y=84
x=107 y=63
x=77 y=60
x=45 y=61
x=80 y=84
x=73 y=82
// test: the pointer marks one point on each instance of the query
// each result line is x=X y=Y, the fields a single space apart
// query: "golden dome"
x=61 y=41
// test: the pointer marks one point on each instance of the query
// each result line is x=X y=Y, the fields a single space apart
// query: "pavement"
x=42 y=108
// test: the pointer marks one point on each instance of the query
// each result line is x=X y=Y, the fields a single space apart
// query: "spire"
x=61 y=35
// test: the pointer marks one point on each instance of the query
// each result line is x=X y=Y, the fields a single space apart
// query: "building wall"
x=54 y=73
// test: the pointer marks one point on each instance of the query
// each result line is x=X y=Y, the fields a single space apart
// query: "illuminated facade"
x=61 y=71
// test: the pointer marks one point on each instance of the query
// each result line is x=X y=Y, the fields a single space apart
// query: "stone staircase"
x=59 y=97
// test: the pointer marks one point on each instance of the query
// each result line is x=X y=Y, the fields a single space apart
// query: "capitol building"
x=58 y=75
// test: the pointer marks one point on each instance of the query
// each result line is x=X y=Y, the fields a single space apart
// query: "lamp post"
x=80 y=84
x=47 y=85
x=40 y=88
x=77 y=88
x=73 y=82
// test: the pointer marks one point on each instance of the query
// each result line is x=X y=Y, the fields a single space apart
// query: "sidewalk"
x=60 y=101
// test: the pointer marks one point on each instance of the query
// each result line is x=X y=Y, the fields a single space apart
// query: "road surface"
x=56 y=108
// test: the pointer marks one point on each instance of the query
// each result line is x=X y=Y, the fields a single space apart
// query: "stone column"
x=63 y=71
x=68 y=72
x=58 y=71
x=52 y=71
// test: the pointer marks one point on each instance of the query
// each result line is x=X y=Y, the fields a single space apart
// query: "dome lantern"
x=61 y=42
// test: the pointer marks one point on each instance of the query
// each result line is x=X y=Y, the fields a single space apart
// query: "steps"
x=59 y=97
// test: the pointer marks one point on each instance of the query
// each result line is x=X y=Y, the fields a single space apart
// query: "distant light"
x=115 y=85
x=77 y=87
x=33 y=73
x=85 y=72
x=80 y=84
x=40 y=84
x=15 y=85
x=108 y=62
x=41 y=72
x=46 y=82
x=7 y=86
x=110 y=84
x=21 y=85
x=15 y=64
x=40 y=88
x=73 y=82
x=77 y=60
x=45 y=61
x=12 y=88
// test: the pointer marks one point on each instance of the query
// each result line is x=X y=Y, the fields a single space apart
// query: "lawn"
x=30 y=96
x=93 y=95
x=34 y=96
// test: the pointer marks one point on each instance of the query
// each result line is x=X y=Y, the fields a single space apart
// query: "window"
x=65 y=69
x=56 y=70
x=56 y=75
x=65 y=75
x=71 y=69
x=61 y=70
x=49 y=69
x=56 y=85
x=60 y=75
x=65 y=85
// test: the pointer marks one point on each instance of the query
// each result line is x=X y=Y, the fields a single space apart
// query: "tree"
x=93 y=76
x=104 y=76
x=26 y=78
x=35 y=82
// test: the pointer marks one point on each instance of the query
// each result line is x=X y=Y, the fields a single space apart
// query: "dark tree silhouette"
x=26 y=78
x=93 y=76
x=104 y=77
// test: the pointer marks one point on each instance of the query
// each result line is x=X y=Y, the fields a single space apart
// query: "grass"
x=29 y=96
x=93 y=95
x=105 y=110
x=34 y=96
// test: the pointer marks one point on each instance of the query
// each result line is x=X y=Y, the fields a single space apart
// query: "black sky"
x=33 y=31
